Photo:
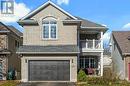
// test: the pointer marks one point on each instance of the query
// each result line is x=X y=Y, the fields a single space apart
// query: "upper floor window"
x=49 y=29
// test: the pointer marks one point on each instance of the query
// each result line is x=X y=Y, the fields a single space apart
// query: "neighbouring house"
x=10 y=40
x=57 y=44
x=107 y=60
x=120 y=50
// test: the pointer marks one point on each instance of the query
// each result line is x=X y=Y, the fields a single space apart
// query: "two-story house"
x=56 y=44
x=10 y=40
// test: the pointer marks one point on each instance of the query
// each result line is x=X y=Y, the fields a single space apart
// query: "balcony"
x=91 y=45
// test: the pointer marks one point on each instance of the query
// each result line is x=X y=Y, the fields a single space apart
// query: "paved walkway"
x=47 y=84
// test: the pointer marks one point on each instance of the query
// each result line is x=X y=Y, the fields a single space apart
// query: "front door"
x=129 y=70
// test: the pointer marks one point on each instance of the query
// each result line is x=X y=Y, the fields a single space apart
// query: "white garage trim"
x=32 y=78
x=49 y=60
x=73 y=66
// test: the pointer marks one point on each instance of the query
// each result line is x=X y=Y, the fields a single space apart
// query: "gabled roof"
x=7 y=28
x=43 y=6
x=122 y=42
x=50 y=49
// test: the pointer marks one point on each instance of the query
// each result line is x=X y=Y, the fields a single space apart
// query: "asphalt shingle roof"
x=48 y=49
x=121 y=39
x=87 y=23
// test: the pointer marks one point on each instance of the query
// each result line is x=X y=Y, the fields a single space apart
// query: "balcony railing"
x=91 y=44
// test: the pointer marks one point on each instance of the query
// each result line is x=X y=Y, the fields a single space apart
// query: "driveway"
x=48 y=84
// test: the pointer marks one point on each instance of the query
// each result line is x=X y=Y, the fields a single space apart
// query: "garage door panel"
x=49 y=70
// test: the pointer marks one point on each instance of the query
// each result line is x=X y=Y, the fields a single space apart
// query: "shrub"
x=82 y=76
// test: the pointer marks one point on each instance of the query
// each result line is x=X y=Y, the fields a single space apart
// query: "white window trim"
x=89 y=58
x=49 y=30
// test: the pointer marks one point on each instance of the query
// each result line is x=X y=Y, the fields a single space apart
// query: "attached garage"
x=49 y=70
x=48 y=63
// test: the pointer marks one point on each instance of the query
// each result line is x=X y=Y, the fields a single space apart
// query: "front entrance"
x=90 y=64
x=129 y=70
x=49 y=70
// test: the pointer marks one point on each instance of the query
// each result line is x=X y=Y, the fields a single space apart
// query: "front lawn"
x=9 y=83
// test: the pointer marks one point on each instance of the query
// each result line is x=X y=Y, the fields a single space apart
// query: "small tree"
x=82 y=76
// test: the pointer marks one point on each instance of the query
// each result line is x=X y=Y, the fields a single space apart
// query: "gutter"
x=27 y=22
x=47 y=52
x=125 y=54
x=5 y=53
x=94 y=27
x=4 y=31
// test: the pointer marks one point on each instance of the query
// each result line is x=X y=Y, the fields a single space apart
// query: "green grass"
x=9 y=83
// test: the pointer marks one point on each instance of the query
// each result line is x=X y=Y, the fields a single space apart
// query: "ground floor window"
x=89 y=62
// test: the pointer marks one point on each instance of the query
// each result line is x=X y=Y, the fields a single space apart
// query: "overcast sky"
x=115 y=14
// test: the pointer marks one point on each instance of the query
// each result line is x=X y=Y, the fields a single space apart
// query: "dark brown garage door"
x=49 y=70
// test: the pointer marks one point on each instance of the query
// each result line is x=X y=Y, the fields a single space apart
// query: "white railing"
x=91 y=44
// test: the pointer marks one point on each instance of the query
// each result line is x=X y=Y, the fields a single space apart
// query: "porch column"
x=101 y=63
x=101 y=39
x=93 y=43
x=86 y=43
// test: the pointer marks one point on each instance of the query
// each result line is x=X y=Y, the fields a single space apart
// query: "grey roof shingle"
x=121 y=39
x=48 y=49
x=87 y=23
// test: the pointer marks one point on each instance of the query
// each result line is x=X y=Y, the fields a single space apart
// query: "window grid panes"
x=49 y=29
x=88 y=62
x=81 y=63
x=46 y=31
x=53 y=31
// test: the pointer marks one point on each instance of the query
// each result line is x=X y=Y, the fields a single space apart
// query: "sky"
x=115 y=14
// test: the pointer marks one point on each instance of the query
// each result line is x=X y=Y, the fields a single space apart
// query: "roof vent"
x=128 y=37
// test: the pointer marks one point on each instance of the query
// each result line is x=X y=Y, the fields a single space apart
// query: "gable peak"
x=44 y=5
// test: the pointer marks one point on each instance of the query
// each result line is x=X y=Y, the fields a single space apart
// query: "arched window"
x=49 y=29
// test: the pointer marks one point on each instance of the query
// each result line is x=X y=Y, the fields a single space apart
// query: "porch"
x=91 y=65
x=90 y=44
x=91 y=41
